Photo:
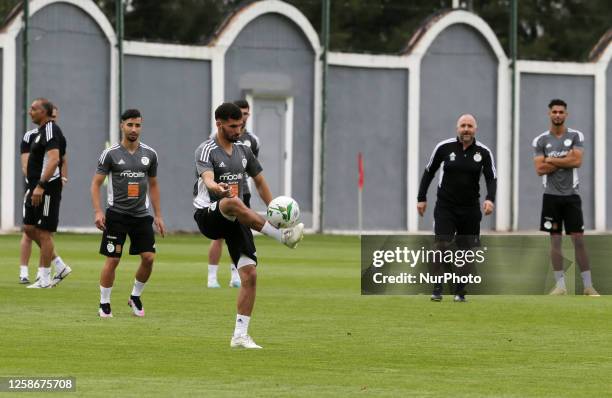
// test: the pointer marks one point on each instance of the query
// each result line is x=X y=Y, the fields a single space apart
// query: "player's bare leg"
x=234 y=207
x=556 y=258
x=62 y=270
x=582 y=258
x=25 y=251
x=107 y=278
x=245 y=303
x=142 y=276
x=46 y=254
x=214 y=255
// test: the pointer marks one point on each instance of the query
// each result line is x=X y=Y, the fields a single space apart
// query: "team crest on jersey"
x=145 y=160
x=452 y=156
x=37 y=138
x=549 y=145
x=247 y=143
x=213 y=206
x=244 y=162
x=477 y=157
x=567 y=142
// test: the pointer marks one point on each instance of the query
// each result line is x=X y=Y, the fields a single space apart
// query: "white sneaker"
x=558 y=291
x=292 y=236
x=244 y=341
x=213 y=285
x=39 y=284
x=57 y=278
x=234 y=283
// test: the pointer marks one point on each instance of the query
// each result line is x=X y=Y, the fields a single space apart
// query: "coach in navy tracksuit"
x=457 y=212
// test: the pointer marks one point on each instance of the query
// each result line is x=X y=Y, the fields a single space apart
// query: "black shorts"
x=460 y=223
x=214 y=225
x=139 y=229
x=46 y=215
x=558 y=211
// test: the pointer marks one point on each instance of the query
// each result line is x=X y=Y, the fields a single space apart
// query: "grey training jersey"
x=252 y=141
x=229 y=169
x=563 y=182
x=128 y=178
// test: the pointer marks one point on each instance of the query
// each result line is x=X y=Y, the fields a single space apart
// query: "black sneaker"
x=105 y=311
x=460 y=298
x=436 y=295
x=24 y=280
x=136 y=305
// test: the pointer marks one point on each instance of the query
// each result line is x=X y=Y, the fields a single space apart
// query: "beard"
x=131 y=138
x=228 y=136
x=558 y=123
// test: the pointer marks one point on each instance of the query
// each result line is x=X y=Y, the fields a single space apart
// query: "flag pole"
x=360 y=193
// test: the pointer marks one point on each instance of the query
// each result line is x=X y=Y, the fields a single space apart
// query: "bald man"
x=457 y=212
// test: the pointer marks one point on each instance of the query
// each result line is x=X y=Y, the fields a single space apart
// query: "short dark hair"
x=557 y=102
x=47 y=105
x=130 y=114
x=227 y=111
x=242 y=103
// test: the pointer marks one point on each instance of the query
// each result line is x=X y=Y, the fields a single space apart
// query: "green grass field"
x=321 y=338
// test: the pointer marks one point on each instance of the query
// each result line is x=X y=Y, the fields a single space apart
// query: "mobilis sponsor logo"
x=230 y=177
x=132 y=174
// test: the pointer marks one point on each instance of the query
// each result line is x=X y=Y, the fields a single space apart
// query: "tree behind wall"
x=559 y=30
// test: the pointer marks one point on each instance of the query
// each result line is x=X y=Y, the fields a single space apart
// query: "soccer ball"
x=283 y=212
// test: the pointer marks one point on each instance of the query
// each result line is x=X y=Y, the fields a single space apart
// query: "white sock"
x=242 y=325
x=560 y=278
x=586 y=279
x=212 y=272
x=138 y=287
x=234 y=272
x=105 y=293
x=270 y=231
x=45 y=275
x=23 y=271
x=59 y=264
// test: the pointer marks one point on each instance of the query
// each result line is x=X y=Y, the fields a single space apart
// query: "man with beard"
x=221 y=163
x=215 y=250
x=457 y=213
x=131 y=167
x=558 y=156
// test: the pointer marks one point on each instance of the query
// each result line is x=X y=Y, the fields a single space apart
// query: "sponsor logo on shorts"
x=548 y=225
x=118 y=248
